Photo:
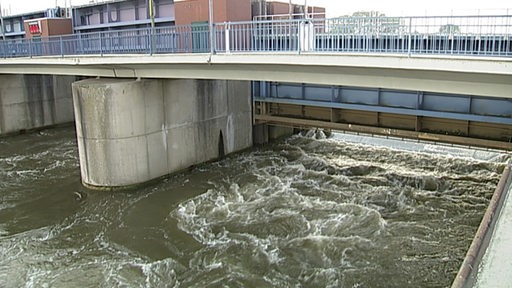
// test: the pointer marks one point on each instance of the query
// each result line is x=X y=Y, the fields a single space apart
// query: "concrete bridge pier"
x=132 y=131
x=34 y=101
x=264 y=133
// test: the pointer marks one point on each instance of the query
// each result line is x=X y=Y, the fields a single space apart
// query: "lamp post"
x=210 y=23
x=2 y=22
x=72 y=15
x=290 y=9
x=152 y=19
x=305 y=9
x=152 y=13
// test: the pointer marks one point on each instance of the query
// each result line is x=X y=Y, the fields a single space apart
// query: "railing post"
x=228 y=36
x=213 y=39
x=30 y=48
x=409 y=41
x=101 y=44
x=451 y=39
x=153 y=41
x=300 y=35
x=61 y=47
x=150 y=41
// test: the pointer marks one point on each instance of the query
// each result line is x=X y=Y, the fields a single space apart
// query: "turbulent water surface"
x=298 y=213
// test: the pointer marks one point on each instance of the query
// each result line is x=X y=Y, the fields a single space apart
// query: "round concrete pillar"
x=119 y=131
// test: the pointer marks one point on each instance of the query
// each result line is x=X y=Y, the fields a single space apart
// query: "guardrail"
x=468 y=35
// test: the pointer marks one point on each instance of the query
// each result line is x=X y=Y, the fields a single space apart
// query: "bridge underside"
x=459 y=119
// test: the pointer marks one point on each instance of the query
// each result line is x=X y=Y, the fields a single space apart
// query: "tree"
x=449 y=29
x=368 y=14
x=367 y=23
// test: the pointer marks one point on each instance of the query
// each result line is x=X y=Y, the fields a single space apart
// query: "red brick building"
x=45 y=27
x=195 y=11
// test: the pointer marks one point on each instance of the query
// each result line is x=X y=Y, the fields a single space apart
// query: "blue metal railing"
x=468 y=35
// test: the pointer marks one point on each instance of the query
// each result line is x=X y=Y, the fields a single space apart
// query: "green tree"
x=367 y=14
x=449 y=29
x=366 y=22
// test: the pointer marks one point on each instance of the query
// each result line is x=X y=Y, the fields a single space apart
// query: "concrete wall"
x=190 y=11
x=130 y=131
x=34 y=101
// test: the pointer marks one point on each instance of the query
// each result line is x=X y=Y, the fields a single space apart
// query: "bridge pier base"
x=260 y=134
x=34 y=101
x=263 y=133
x=133 y=131
x=277 y=132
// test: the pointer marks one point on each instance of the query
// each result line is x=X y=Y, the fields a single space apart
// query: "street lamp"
x=210 y=22
x=2 y=22
x=305 y=9
x=290 y=8
x=152 y=18
x=152 y=13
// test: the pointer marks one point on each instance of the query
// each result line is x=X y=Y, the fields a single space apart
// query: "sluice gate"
x=470 y=120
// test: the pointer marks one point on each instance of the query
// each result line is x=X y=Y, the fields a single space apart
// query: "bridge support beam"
x=133 y=131
x=34 y=101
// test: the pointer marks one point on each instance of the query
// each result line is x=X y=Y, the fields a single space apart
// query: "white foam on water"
x=318 y=204
x=425 y=147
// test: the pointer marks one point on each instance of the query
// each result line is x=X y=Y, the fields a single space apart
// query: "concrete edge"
x=465 y=277
x=448 y=63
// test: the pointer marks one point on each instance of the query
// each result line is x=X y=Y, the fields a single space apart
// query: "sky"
x=334 y=7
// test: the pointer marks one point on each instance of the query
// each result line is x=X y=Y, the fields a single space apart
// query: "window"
x=8 y=27
x=34 y=28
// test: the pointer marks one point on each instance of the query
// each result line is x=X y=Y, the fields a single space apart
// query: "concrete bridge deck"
x=446 y=74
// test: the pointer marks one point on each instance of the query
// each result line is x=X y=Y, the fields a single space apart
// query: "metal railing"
x=468 y=35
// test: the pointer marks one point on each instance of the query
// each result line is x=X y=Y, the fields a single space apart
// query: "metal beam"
x=392 y=110
x=421 y=136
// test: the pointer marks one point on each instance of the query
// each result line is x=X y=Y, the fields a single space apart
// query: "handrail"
x=452 y=35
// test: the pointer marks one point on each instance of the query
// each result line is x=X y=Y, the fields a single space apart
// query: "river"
x=298 y=213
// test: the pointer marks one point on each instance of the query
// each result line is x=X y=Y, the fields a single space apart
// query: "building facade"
x=14 y=25
x=135 y=14
x=122 y=14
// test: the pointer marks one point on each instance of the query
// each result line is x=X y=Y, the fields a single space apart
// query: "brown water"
x=298 y=213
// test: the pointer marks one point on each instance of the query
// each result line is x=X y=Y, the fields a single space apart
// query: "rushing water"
x=298 y=213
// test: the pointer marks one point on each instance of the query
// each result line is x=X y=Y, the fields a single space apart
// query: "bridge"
x=399 y=76
x=163 y=99
x=432 y=78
